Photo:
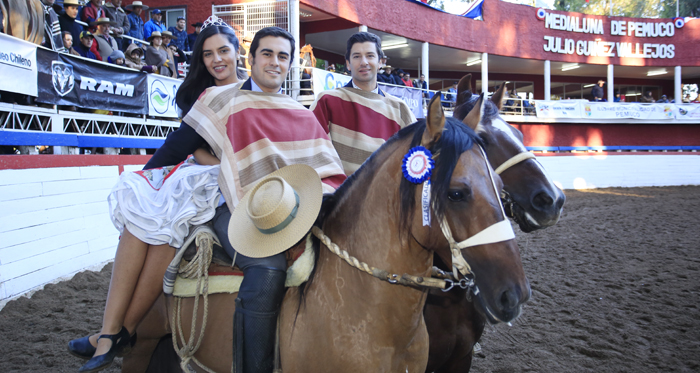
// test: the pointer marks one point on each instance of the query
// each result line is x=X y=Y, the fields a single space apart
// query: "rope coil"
x=197 y=268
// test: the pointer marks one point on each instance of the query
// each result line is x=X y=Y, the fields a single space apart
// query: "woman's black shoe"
x=119 y=342
x=81 y=348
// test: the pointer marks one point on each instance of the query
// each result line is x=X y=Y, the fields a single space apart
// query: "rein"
x=497 y=232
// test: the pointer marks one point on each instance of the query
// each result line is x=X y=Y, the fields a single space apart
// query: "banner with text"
x=412 y=97
x=558 y=109
x=581 y=109
x=70 y=80
x=18 y=66
x=688 y=112
x=161 y=96
x=326 y=80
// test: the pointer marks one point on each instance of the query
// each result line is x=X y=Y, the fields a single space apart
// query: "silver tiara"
x=214 y=21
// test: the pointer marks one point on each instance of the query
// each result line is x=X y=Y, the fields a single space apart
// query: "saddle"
x=224 y=275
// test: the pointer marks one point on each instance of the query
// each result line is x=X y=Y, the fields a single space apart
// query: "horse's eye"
x=456 y=195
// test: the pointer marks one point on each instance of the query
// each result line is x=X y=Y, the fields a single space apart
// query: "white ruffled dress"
x=159 y=205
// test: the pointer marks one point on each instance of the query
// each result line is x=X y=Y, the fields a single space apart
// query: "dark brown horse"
x=23 y=19
x=454 y=325
x=345 y=320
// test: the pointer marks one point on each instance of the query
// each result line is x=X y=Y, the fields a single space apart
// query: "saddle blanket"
x=226 y=280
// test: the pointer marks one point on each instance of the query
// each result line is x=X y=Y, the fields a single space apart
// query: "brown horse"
x=346 y=320
x=23 y=19
x=454 y=325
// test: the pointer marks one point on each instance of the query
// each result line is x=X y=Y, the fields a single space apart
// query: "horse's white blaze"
x=501 y=125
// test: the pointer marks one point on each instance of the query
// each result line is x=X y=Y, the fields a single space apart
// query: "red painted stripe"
x=21 y=162
x=278 y=125
x=589 y=154
x=610 y=134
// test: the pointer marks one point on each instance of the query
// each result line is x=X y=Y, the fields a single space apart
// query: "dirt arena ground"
x=615 y=289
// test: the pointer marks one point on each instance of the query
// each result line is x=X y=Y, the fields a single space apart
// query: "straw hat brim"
x=131 y=7
x=247 y=240
x=154 y=34
x=111 y=23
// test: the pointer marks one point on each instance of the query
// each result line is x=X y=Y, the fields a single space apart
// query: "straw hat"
x=72 y=2
x=154 y=34
x=277 y=213
x=169 y=35
x=102 y=21
x=136 y=3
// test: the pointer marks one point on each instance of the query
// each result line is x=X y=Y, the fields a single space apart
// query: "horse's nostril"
x=543 y=201
x=509 y=300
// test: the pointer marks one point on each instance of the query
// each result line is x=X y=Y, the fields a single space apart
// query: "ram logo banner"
x=74 y=81
x=62 y=77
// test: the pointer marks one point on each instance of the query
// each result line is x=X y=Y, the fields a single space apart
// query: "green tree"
x=630 y=8
x=688 y=8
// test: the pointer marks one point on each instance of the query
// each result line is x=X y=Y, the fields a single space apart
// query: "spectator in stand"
x=117 y=58
x=663 y=100
x=153 y=24
x=180 y=34
x=407 y=80
x=91 y=12
x=422 y=84
x=618 y=98
x=167 y=42
x=646 y=97
x=331 y=68
x=386 y=76
x=398 y=77
x=52 y=28
x=83 y=48
x=67 y=19
x=192 y=38
x=104 y=44
x=157 y=56
x=114 y=11
x=597 y=92
x=68 y=43
x=133 y=58
x=451 y=96
x=135 y=21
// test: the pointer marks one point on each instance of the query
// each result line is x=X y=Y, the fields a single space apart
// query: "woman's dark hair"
x=272 y=31
x=198 y=78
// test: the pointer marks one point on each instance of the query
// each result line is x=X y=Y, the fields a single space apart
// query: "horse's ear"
x=434 y=123
x=474 y=117
x=497 y=97
x=464 y=85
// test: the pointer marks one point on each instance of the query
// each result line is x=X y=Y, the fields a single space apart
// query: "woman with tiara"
x=154 y=209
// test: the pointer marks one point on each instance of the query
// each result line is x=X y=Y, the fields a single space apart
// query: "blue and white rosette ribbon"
x=417 y=168
x=418 y=165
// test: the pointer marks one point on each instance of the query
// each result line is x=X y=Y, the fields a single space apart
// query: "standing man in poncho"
x=360 y=117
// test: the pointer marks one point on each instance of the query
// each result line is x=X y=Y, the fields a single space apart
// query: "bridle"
x=506 y=200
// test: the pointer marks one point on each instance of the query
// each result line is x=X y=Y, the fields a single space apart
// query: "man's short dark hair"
x=363 y=37
x=272 y=31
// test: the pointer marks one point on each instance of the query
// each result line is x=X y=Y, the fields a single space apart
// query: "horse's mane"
x=461 y=111
x=455 y=140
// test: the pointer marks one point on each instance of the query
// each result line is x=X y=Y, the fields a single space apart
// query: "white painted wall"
x=54 y=222
x=623 y=170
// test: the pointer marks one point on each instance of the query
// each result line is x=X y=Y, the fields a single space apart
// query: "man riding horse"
x=360 y=117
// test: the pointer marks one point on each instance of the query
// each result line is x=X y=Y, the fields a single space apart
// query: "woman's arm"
x=205 y=158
